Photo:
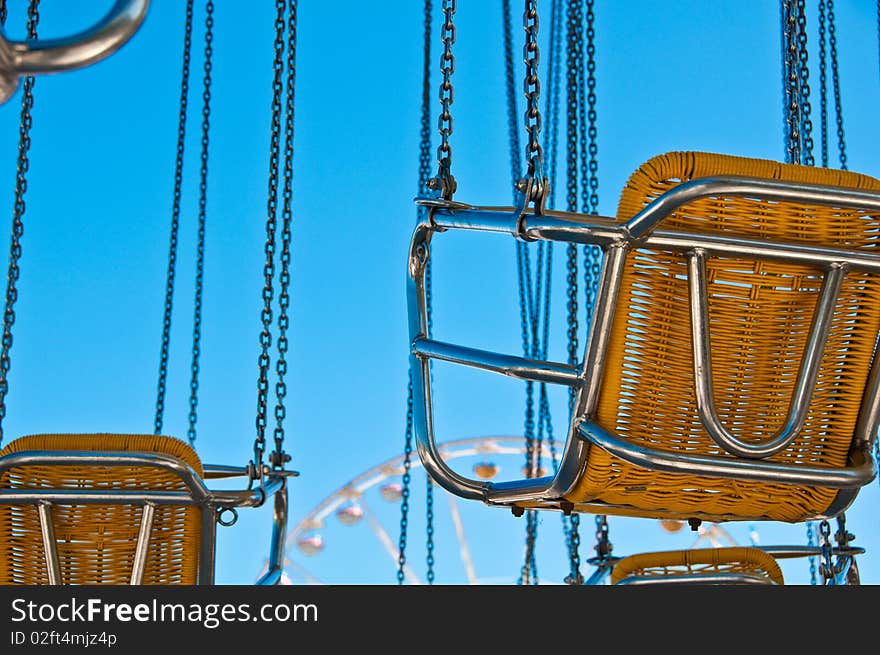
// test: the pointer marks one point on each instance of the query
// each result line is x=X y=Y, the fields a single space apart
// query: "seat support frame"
x=617 y=240
x=210 y=503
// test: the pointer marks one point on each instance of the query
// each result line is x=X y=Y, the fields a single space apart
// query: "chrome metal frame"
x=210 y=502
x=845 y=561
x=617 y=240
x=22 y=58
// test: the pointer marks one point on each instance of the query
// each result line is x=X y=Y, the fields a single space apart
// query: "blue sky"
x=705 y=76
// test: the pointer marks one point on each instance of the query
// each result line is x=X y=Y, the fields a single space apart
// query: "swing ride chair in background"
x=116 y=508
x=728 y=370
x=121 y=509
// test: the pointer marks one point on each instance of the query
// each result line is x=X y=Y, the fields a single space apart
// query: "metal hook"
x=39 y=57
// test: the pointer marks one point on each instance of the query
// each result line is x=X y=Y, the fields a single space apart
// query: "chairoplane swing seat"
x=91 y=509
x=728 y=371
x=727 y=565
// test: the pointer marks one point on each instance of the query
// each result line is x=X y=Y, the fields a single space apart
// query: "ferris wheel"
x=368 y=501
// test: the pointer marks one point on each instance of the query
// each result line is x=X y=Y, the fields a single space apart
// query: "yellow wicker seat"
x=743 y=565
x=96 y=543
x=729 y=372
x=759 y=316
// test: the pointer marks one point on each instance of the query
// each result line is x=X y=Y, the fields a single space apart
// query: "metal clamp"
x=22 y=58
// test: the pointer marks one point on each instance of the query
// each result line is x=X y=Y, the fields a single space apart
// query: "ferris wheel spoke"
x=463 y=548
x=385 y=540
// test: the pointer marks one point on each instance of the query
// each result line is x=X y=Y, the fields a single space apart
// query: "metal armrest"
x=859 y=473
x=19 y=59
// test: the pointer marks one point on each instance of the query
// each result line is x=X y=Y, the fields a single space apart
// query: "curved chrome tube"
x=724 y=467
x=806 y=380
x=698 y=578
x=22 y=58
x=643 y=223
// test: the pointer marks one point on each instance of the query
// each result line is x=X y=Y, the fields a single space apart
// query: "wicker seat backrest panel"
x=700 y=561
x=760 y=313
x=96 y=542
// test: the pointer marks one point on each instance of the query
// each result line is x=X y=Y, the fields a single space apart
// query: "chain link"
x=429 y=529
x=791 y=82
x=835 y=83
x=811 y=541
x=574 y=576
x=18 y=210
x=279 y=458
x=535 y=186
x=424 y=172
x=269 y=266
x=203 y=200
x=445 y=181
x=175 y=222
x=806 y=124
x=532 y=90
x=823 y=86
x=405 y=492
x=826 y=565
x=843 y=537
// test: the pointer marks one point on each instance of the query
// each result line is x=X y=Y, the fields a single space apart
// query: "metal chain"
x=445 y=181
x=424 y=172
x=269 y=266
x=806 y=124
x=574 y=576
x=791 y=82
x=175 y=222
x=534 y=186
x=405 y=492
x=826 y=565
x=18 y=210
x=574 y=64
x=203 y=201
x=823 y=85
x=843 y=537
x=835 y=84
x=278 y=457
x=811 y=541
x=429 y=530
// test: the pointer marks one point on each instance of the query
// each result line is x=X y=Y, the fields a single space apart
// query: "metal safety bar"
x=617 y=240
x=38 y=57
x=210 y=502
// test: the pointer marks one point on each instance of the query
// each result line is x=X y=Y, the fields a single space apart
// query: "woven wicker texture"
x=760 y=314
x=700 y=561
x=96 y=543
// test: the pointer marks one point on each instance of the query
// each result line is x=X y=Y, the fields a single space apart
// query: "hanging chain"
x=269 y=266
x=18 y=210
x=424 y=173
x=806 y=124
x=574 y=576
x=791 y=82
x=823 y=85
x=405 y=492
x=811 y=541
x=826 y=565
x=175 y=222
x=278 y=457
x=429 y=529
x=843 y=537
x=835 y=84
x=574 y=66
x=534 y=187
x=445 y=181
x=203 y=200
